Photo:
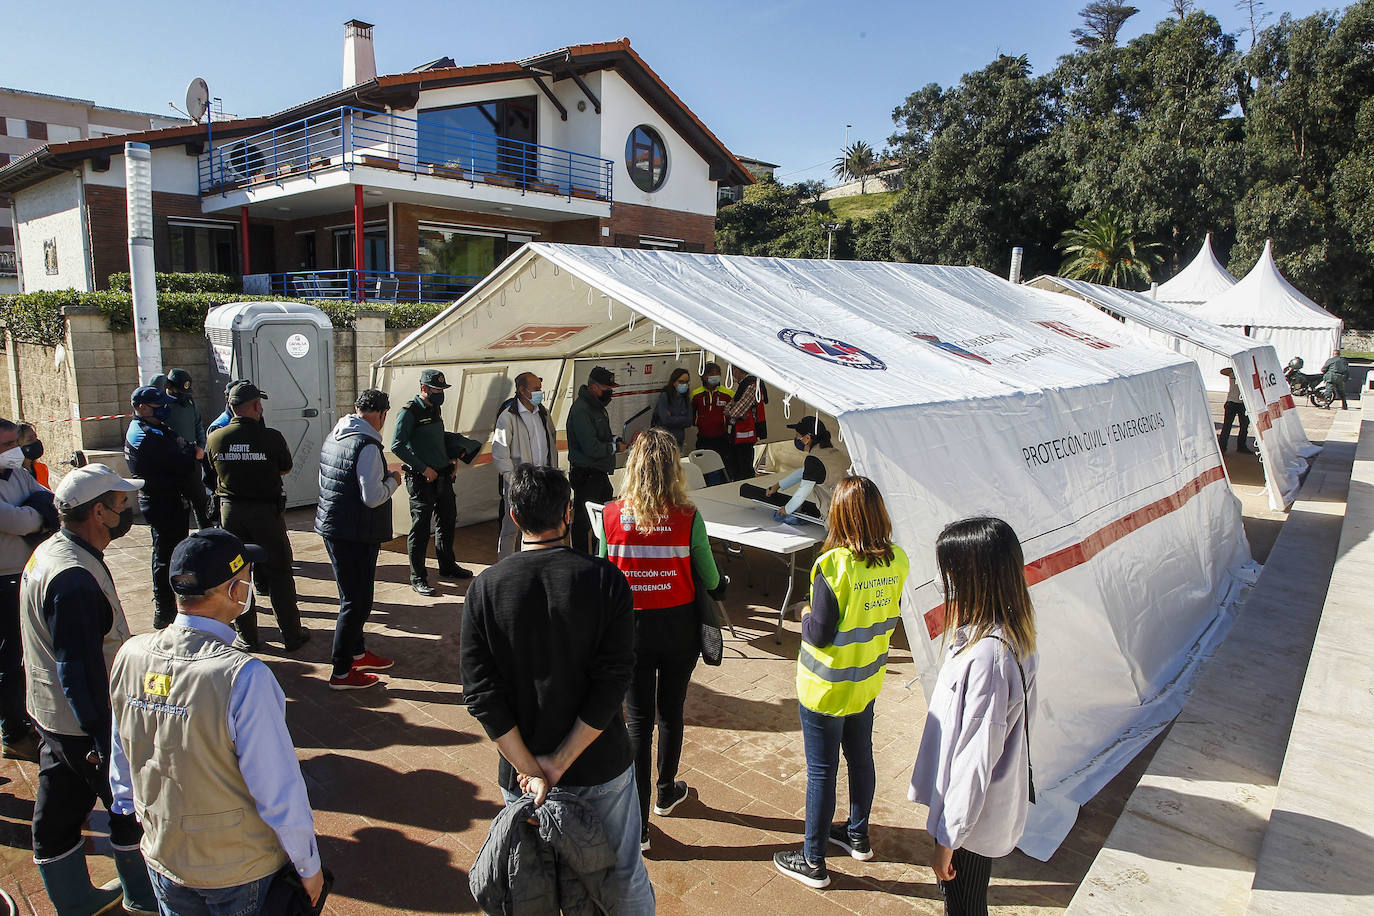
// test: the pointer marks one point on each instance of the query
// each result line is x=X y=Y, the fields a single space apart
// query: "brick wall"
x=108 y=226
x=634 y=220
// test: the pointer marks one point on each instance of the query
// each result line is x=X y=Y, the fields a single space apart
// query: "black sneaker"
x=667 y=801
x=295 y=642
x=423 y=588
x=856 y=846
x=457 y=572
x=793 y=864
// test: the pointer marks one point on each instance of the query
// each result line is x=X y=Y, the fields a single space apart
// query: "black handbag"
x=711 y=616
x=286 y=894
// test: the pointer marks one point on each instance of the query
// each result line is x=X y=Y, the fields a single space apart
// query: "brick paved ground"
x=403 y=780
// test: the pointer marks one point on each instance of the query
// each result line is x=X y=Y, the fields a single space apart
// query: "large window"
x=484 y=138
x=463 y=253
x=204 y=248
x=374 y=248
x=647 y=158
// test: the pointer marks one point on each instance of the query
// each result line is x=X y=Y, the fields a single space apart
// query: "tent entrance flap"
x=959 y=394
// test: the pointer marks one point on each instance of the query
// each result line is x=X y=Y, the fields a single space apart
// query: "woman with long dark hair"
x=973 y=769
x=856 y=589
x=655 y=536
x=673 y=411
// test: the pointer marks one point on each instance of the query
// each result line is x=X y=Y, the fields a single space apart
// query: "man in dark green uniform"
x=592 y=448
x=250 y=460
x=186 y=422
x=419 y=442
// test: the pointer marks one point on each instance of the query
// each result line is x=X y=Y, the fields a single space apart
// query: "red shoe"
x=370 y=661
x=353 y=680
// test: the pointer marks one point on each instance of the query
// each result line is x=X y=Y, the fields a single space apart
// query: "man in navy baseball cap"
x=208 y=558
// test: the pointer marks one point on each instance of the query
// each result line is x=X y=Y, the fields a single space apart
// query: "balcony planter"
x=452 y=171
x=588 y=193
x=543 y=186
x=380 y=162
x=502 y=179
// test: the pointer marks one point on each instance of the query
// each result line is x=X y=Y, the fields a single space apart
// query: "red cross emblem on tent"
x=830 y=349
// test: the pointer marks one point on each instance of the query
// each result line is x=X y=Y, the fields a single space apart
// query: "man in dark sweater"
x=547 y=655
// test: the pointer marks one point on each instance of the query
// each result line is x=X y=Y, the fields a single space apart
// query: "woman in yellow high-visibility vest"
x=856 y=590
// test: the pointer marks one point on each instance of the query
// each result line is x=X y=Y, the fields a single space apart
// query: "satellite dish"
x=197 y=99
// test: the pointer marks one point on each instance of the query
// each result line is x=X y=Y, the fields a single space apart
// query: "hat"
x=810 y=426
x=229 y=386
x=209 y=557
x=179 y=377
x=244 y=391
x=602 y=377
x=433 y=378
x=149 y=395
x=89 y=481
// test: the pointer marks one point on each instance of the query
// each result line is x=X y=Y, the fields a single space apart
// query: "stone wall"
x=1358 y=341
x=95 y=370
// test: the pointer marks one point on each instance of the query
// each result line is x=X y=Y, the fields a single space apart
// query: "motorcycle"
x=1302 y=384
x=1323 y=394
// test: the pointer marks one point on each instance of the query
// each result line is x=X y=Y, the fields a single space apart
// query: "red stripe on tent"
x=1060 y=561
x=1273 y=412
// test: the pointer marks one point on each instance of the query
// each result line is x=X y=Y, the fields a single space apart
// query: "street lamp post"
x=846 y=135
x=830 y=229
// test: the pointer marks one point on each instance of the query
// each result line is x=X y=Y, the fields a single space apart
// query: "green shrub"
x=184 y=283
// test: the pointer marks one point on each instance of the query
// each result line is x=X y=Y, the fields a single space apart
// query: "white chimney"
x=359 y=63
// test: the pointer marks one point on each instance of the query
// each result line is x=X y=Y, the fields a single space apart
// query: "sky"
x=776 y=80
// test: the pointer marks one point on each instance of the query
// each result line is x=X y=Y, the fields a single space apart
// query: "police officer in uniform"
x=165 y=462
x=419 y=441
x=250 y=460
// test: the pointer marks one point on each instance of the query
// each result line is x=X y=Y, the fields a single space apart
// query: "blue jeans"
x=823 y=736
x=175 y=900
x=617 y=804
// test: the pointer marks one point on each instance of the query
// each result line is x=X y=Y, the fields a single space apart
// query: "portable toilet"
x=287 y=350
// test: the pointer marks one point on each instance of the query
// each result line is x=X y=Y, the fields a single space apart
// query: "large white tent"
x=1283 y=443
x=959 y=394
x=1202 y=279
x=1269 y=308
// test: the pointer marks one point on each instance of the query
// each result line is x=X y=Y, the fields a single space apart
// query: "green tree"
x=1102 y=22
x=856 y=164
x=1102 y=248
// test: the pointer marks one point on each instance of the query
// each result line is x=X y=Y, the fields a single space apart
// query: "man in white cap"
x=73 y=625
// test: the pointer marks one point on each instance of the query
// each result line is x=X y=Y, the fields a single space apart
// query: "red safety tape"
x=109 y=416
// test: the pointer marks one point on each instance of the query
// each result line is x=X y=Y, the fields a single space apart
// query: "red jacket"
x=708 y=411
x=658 y=564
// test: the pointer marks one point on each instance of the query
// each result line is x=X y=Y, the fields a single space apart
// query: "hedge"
x=184 y=283
x=37 y=317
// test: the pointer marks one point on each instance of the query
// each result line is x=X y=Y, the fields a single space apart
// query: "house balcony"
x=8 y=264
x=308 y=167
x=368 y=285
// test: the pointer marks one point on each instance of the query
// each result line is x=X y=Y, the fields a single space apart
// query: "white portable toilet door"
x=292 y=363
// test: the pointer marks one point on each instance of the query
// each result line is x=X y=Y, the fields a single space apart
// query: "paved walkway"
x=403 y=779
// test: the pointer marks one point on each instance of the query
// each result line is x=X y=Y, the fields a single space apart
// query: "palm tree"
x=856 y=164
x=1102 y=248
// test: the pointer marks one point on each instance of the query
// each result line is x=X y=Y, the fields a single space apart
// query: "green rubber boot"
x=68 y=883
x=138 y=885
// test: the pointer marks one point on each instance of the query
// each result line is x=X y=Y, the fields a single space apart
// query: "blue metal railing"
x=346 y=138
x=370 y=285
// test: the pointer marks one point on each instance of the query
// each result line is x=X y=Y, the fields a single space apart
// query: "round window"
x=646 y=157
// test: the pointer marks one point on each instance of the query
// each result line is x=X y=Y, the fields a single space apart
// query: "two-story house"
x=405 y=187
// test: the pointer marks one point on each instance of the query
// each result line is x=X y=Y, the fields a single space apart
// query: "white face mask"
x=247 y=603
x=14 y=458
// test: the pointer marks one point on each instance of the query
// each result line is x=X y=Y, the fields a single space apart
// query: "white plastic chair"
x=708 y=462
x=695 y=479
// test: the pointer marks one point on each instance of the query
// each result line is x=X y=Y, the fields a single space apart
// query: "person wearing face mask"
x=73 y=624
x=17 y=519
x=250 y=459
x=524 y=434
x=673 y=411
x=184 y=419
x=708 y=413
x=745 y=420
x=418 y=440
x=166 y=463
x=824 y=467
x=199 y=746
x=592 y=448
x=33 y=450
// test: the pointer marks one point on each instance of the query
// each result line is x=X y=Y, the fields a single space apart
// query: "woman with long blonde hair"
x=856 y=591
x=656 y=537
x=973 y=769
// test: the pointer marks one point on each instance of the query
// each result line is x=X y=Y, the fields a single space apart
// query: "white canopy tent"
x=1283 y=443
x=959 y=394
x=1269 y=308
x=1202 y=279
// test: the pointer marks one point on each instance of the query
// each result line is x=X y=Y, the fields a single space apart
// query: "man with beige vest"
x=200 y=750
x=73 y=625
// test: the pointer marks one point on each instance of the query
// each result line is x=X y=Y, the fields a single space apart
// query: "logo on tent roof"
x=537 y=335
x=950 y=347
x=830 y=349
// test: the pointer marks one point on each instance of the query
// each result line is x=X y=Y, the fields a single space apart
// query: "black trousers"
x=165 y=512
x=967 y=894
x=589 y=486
x=14 y=722
x=355 y=574
x=68 y=786
x=667 y=645
x=1230 y=412
x=260 y=522
x=740 y=463
x=431 y=502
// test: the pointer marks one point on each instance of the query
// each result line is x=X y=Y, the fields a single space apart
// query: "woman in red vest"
x=656 y=537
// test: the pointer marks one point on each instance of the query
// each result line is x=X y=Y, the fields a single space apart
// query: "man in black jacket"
x=165 y=462
x=547 y=654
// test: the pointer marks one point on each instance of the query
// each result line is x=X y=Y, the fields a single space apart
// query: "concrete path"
x=1191 y=834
